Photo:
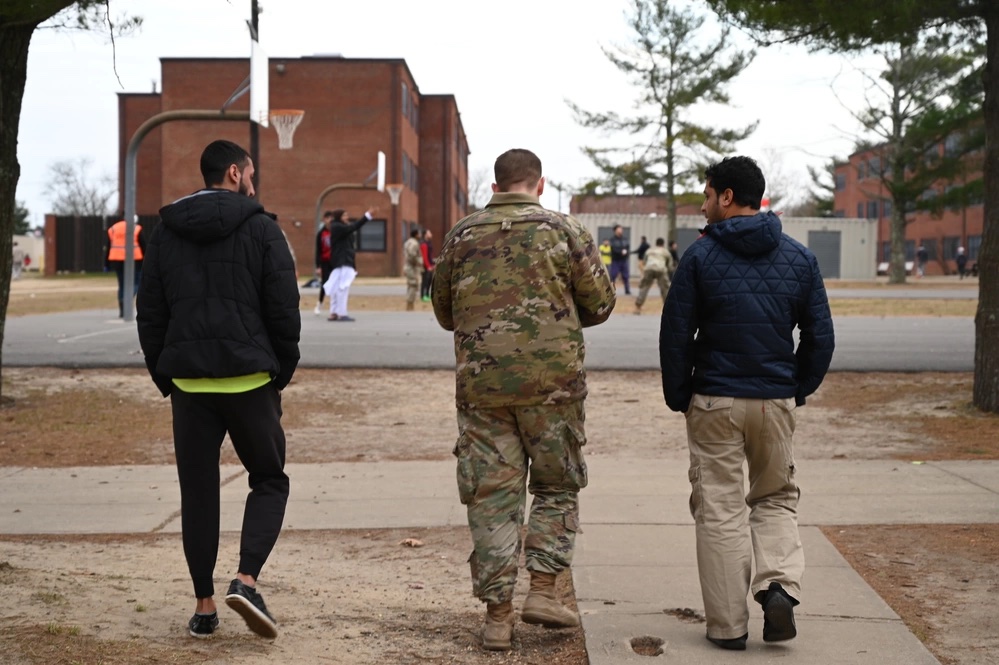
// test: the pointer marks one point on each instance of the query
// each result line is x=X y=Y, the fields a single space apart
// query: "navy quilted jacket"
x=219 y=295
x=728 y=321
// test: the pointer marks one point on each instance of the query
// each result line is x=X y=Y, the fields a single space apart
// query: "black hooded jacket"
x=219 y=296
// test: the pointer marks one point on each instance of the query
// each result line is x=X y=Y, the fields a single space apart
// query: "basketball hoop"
x=285 y=122
x=394 y=192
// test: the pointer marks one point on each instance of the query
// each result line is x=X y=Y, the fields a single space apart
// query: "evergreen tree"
x=672 y=75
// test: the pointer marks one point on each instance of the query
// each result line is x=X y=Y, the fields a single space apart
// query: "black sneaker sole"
x=778 y=621
x=256 y=620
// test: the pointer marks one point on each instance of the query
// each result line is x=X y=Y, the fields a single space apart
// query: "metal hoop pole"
x=131 y=156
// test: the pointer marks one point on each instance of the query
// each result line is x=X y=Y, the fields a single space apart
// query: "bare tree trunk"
x=986 y=391
x=14 y=42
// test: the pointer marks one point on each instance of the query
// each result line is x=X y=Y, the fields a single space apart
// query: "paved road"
x=96 y=338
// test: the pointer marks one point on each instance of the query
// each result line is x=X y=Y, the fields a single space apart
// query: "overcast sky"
x=510 y=65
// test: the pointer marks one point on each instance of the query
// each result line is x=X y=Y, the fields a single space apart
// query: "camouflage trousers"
x=648 y=277
x=498 y=451
x=412 y=284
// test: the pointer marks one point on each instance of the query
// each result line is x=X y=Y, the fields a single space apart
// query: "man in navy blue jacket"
x=729 y=363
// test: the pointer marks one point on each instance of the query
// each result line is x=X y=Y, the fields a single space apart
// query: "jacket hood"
x=209 y=214
x=749 y=235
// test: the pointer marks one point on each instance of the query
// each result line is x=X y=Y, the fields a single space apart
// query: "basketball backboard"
x=381 y=171
x=259 y=85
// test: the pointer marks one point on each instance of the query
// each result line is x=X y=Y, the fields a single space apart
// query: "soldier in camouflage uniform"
x=517 y=284
x=659 y=265
x=412 y=267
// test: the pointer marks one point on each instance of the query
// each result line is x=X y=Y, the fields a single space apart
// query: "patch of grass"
x=49 y=597
x=57 y=629
x=902 y=307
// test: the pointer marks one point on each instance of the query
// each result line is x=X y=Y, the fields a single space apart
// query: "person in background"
x=619 y=259
x=342 y=254
x=658 y=267
x=676 y=257
x=114 y=258
x=605 y=253
x=962 y=262
x=517 y=284
x=324 y=257
x=412 y=267
x=729 y=364
x=219 y=324
x=427 y=250
x=643 y=247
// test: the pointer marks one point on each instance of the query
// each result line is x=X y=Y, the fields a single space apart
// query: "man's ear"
x=234 y=174
x=726 y=198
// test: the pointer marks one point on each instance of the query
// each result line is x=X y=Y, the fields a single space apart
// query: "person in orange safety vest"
x=115 y=257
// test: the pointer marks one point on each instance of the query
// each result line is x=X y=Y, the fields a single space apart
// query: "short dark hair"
x=337 y=214
x=741 y=175
x=516 y=166
x=216 y=159
x=327 y=214
x=660 y=242
x=414 y=233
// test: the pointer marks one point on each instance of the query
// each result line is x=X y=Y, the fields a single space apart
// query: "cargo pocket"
x=709 y=418
x=694 y=476
x=468 y=484
x=575 y=477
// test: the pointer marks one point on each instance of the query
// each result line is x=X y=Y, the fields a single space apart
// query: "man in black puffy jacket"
x=219 y=325
x=729 y=363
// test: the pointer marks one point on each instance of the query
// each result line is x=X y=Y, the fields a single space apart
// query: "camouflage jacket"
x=517 y=284
x=413 y=259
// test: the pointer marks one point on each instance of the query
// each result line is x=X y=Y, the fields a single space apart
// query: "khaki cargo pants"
x=723 y=433
x=498 y=451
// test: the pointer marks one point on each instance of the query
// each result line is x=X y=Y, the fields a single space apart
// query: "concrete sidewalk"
x=635 y=560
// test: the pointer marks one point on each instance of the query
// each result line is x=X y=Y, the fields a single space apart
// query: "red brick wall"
x=861 y=187
x=133 y=110
x=353 y=110
x=623 y=204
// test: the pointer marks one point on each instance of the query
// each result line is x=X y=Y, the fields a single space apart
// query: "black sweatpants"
x=253 y=421
x=325 y=270
x=426 y=283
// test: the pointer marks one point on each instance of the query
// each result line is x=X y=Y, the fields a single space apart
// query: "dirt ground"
x=361 y=596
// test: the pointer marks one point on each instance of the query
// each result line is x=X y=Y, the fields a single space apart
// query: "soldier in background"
x=517 y=284
x=412 y=267
x=658 y=268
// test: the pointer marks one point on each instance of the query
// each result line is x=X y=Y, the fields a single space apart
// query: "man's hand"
x=371 y=212
x=319 y=271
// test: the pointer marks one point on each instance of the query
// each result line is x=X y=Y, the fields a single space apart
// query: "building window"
x=874 y=167
x=371 y=236
x=910 y=250
x=861 y=170
x=414 y=118
x=840 y=182
x=928 y=194
x=886 y=250
x=405 y=169
x=886 y=208
x=974 y=242
x=839 y=212
x=872 y=210
x=405 y=100
x=414 y=177
x=860 y=210
x=950 y=245
x=952 y=145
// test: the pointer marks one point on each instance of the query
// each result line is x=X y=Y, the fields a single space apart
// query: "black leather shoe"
x=778 y=615
x=733 y=644
x=203 y=625
x=250 y=605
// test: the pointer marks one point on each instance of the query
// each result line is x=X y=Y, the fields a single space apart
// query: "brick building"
x=861 y=193
x=353 y=108
x=628 y=204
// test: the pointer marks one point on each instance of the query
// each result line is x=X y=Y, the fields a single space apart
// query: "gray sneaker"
x=250 y=605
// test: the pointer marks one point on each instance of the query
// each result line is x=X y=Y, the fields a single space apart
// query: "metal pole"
x=333 y=188
x=254 y=127
x=128 y=288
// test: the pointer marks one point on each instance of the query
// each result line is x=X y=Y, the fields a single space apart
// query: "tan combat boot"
x=497 y=633
x=542 y=607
